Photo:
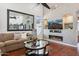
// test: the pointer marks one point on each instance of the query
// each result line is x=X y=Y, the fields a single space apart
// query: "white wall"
x=30 y=8
x=69 y=36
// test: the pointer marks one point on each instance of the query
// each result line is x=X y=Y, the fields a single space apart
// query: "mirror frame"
x=8 y=19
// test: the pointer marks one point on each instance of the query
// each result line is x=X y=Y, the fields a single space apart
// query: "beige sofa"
x=8 y=43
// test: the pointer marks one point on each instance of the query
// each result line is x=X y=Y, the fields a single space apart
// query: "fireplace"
x=57 y=38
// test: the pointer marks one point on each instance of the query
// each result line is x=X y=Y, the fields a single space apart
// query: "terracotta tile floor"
x=54 y=50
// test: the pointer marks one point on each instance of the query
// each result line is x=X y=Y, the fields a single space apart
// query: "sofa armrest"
x=2 y=44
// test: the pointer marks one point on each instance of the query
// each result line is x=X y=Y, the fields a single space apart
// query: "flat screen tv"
x=55 y=24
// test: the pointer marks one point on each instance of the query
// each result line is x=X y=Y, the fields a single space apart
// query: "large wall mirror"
x=18 y=21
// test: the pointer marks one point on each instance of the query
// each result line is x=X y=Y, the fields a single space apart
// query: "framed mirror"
x=18 y=21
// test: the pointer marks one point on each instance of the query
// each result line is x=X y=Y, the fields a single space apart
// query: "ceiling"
x=56 y=5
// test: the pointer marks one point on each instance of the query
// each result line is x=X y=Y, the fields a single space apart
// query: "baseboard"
x=61 y=43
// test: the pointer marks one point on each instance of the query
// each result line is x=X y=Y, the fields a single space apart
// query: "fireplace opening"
x=57 y=38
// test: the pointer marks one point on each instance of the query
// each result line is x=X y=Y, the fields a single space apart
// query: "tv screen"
x=55 y=24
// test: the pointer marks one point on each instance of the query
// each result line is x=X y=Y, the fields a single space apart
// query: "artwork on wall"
x=38 y=19
x=18 y=21
x=55 y=24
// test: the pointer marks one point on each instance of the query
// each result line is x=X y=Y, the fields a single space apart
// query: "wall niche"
x=68 y=21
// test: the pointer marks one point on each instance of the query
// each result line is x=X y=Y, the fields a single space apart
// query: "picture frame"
x=55 y=24
x=19 y=21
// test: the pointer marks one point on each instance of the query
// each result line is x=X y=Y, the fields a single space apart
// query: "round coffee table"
x=36 y=48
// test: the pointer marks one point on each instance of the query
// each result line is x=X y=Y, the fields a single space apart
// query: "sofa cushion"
x=6 y=36
x=17 y=36
x=10 y=42
x=21 y=40
x=2 y=44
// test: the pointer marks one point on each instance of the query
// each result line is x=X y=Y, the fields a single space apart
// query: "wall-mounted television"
x=55 y=24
